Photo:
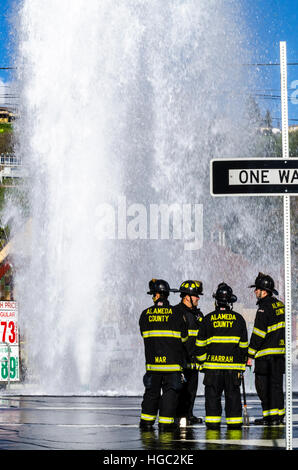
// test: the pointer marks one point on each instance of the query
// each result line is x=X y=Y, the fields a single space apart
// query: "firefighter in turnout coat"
x=164 y=333
x=221 y=348
x=267 y=348
x=190 y=292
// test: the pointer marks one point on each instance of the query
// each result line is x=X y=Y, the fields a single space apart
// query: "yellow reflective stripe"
x=251 y=351
x=192 y=365
x=271 y=412
x=201 y=358
x=275 y=327
x=258 y=332
x=192 y=332
x=201 y=343
x=184 y=339
x=236 y=420
x=266 y=352
x=161 y=334
x=212 y=419
x=223 y=339
x=164 y=368
x=243 y=344
x=218 y=365
x=165 y=420
x=148 y=417
x=281 y=412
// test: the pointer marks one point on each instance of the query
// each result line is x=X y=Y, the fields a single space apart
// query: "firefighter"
x=267 y=348
x=190 y=292
x=164 y=333
x=221 y=348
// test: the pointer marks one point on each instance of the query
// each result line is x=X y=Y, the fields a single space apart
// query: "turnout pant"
x=188 y=393
x=161 y=395
x=269 y=385
x=216 y=382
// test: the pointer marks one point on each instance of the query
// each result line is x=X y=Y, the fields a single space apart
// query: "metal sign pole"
x=287 y=247
x=8 y=366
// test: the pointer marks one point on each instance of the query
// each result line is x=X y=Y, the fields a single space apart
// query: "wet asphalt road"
x=111 y=423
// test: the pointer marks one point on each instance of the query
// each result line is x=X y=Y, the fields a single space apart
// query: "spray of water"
x=123 y=105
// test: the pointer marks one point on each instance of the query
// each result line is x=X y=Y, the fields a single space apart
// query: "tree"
x=268 y=120
x=253 y=112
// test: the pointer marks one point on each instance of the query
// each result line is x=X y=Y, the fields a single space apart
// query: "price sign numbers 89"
x=8 y=332
x=13 y=368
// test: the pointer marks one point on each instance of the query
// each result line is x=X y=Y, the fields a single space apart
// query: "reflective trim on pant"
x=212 y=419
x=274 y=412
x=216 y=383
x=237 y=420
x=165 y=420
x=161 y=394
x=146 y=417
x=269 y=385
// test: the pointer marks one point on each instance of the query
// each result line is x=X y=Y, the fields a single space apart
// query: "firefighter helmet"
x=224 y=294
x=159 y=286
x=194 y=288
x=265 y=282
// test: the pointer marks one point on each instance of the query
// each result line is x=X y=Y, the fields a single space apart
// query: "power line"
x=269 y=64
x=279 y=119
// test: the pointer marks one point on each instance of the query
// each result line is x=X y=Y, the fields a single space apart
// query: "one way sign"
x=254 y=177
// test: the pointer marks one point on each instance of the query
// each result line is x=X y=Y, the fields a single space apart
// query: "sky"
x=267 y=22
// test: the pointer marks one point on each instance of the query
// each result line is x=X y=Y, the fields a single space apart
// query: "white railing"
x=9 y=159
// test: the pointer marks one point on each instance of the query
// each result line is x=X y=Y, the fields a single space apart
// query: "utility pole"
x=287 y=246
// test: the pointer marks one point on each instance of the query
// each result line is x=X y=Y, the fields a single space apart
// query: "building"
x=6 y=116
x=270 y=130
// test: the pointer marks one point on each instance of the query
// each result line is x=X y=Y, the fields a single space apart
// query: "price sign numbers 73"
x=8 y=333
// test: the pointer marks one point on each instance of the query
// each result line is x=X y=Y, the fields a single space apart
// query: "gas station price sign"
x=9 y=344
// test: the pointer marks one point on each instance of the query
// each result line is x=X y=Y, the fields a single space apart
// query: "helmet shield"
x=192 y=288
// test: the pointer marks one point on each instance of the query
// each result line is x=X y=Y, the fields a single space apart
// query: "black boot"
x=235 y=426
x=213 y=426
x=167 y=427
x=195 y=420
x=262 y=422
x=275 y=421
x=281 y=421
x=146 y=425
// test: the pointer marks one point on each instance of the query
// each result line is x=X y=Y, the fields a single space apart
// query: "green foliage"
x=270 y=145
x=6 y=137
x=5 y=127
x=293 y=144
